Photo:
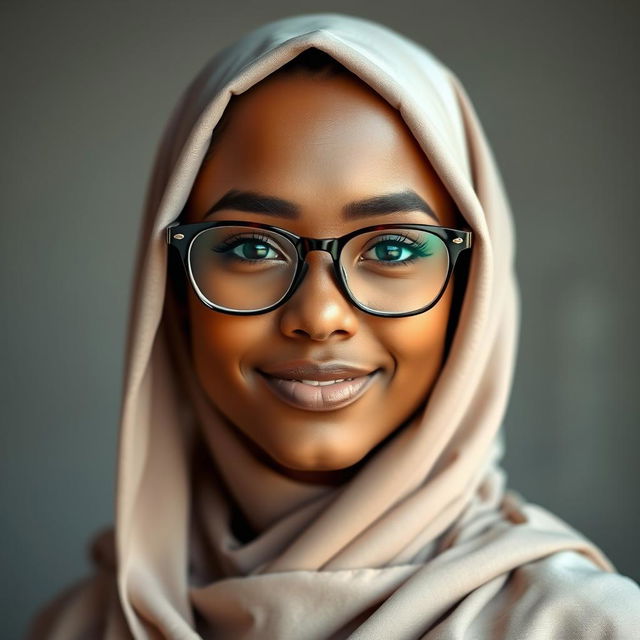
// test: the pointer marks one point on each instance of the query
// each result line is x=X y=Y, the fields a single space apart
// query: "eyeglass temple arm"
x=169 y=230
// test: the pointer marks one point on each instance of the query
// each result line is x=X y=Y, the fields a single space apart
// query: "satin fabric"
x=425 y=541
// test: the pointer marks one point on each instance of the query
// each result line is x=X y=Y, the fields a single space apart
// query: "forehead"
x=318 y=141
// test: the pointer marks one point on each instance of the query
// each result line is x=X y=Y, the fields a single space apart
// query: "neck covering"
x=424 y=541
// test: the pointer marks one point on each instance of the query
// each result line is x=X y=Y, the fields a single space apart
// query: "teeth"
x=322 y=383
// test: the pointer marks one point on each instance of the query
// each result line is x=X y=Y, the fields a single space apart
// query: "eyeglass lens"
x=247 y=269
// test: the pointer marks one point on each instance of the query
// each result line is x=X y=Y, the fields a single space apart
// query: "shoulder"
x=73 y=613
x=566 y=596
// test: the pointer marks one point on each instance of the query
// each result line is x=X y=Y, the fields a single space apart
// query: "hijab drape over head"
x=424 y=541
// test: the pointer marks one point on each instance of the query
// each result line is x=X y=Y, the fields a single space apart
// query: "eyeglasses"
x=247 y=268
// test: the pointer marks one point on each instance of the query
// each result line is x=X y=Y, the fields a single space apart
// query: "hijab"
x=425 y=541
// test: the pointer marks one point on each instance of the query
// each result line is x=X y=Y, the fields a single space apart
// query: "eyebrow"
x=254 y=202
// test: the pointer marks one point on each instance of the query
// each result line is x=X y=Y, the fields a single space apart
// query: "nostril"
x=319 y=336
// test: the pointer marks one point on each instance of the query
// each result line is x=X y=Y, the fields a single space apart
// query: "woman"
x=310 y=431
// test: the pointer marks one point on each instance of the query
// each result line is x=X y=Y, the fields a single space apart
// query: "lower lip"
x=319 y=398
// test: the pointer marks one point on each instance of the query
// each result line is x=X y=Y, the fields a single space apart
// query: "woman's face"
x=320 y=143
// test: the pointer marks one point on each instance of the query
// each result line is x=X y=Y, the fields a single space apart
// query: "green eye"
x=249 y=250
x=389 y=251
x=397 y=249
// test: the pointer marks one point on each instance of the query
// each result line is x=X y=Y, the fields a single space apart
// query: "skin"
x=321 y=142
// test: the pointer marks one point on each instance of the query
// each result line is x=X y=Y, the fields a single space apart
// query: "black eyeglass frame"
x=181 y=237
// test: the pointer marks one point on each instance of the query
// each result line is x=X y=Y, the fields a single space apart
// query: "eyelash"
x=418 y=248
x=235 y=241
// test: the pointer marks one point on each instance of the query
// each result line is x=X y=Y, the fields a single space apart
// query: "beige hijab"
x=424 y=542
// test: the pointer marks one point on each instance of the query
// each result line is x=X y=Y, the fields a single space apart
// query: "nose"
x=318 y=310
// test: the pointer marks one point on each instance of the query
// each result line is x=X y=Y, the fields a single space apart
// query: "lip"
x=283 y=381
x=312 y=370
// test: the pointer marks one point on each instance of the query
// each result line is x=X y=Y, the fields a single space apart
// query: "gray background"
x=86 y=90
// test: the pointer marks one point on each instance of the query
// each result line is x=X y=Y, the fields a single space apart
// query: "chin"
x=315 y=458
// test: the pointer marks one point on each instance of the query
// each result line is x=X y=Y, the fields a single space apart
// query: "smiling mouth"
x=319 y=395
x=321 y=383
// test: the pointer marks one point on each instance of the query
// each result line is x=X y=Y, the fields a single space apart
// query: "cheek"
x=417 y=342
x=220 y=342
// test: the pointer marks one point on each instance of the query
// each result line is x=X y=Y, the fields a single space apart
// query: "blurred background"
x=86 y=90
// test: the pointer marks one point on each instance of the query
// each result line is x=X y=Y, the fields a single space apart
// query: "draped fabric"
x=425 y=541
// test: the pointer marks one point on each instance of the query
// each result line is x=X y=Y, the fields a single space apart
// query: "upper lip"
x=311 y=370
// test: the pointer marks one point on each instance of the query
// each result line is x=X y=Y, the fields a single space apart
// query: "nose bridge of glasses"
x=307 y=245
x=312 y=250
